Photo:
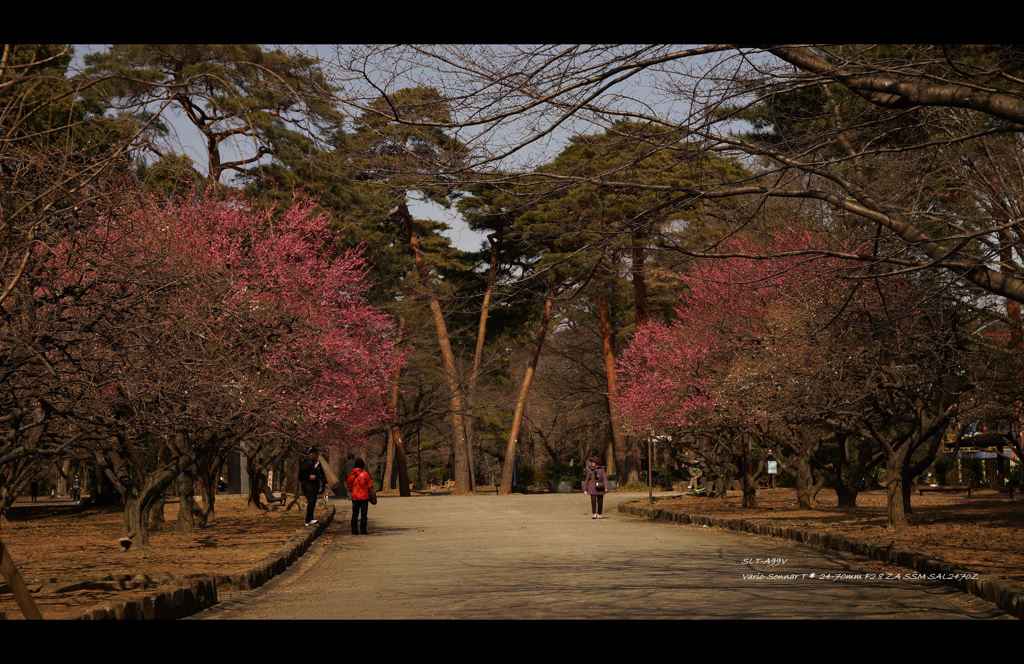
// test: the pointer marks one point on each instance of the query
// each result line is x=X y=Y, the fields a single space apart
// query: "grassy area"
x=982 y=533
x=60 y=551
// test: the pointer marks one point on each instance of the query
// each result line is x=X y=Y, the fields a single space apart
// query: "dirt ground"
x=984 y=533
x=59 y=551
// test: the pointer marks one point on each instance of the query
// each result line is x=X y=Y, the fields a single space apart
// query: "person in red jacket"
x=360 y=488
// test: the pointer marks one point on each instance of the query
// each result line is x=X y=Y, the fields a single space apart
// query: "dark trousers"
x=310 y=506
x=359 y=511
x=597 y=504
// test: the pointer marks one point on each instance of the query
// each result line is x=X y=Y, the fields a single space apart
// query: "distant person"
x=360 y=488
x=312 y=481
x=33 y=488
x=595 y=484
x=76 y=489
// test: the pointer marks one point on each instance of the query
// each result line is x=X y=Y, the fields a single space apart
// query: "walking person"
x=360 y=488
x=312 y=481
x=34 y=490
x=595 y=484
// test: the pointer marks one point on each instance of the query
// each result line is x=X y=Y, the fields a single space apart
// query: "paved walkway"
x=543 y=557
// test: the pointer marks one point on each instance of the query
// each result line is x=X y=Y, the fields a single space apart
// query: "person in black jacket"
x=312 y=481
x=595 y=484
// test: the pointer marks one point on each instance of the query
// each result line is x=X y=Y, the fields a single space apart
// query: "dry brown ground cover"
x=55 y=552
x=984 y=533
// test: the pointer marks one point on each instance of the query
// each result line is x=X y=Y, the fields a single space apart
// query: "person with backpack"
x=360 y=488
x=312 y=481
x=595 y=484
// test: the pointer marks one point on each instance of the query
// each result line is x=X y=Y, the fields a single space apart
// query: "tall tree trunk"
x=396 y=446
x=463 y=481
x=608 y=355
x=388 y=482
x=461 y=466
x=638 y=271
x=524 y=390
x=478 y=353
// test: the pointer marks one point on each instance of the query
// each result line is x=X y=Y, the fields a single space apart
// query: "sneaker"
x=594 y=516
x=313 y=522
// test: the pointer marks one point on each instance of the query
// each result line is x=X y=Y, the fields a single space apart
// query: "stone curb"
x=270 y=567
x=1006 y=596
x=199 y=594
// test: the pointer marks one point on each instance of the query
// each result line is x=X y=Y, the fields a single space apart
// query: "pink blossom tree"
x=693 y=374
x=222 y=325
